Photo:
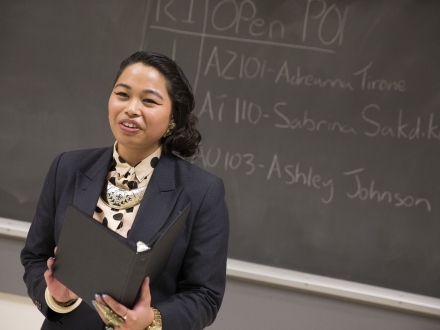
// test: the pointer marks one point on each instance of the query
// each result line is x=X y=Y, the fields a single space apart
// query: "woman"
x=150 y=116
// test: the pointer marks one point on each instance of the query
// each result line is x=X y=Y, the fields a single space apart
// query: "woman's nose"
x=132 y=109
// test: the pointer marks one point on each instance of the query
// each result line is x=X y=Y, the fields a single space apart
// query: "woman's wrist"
x=61 y=307
x=157 y=320
x=64 y=304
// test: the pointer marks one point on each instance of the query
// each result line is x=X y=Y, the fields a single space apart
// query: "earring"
x=169 y=129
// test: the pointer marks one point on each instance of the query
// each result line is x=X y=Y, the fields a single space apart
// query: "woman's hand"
x=138 y=318
x=56 y=289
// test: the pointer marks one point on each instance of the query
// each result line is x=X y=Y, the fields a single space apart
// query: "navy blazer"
x=189 y=292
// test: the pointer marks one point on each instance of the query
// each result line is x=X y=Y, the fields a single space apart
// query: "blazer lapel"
x=158 y=202
x=89 y=185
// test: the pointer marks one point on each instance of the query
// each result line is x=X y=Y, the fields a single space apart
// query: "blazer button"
x=38 y=304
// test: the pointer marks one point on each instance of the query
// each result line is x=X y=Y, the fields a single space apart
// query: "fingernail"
x=96 y=296
x=48 y=270
x=94 y=303
x=103 y=296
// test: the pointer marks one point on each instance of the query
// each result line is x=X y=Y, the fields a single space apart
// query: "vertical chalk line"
x=144 y=27
x=199 y=64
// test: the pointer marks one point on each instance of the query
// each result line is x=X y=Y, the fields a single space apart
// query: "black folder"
x=92 y=259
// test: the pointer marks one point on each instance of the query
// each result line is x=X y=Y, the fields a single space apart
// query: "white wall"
x=251 y=306
x=19 y=313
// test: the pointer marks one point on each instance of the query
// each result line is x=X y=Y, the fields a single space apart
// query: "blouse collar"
x=141 y=169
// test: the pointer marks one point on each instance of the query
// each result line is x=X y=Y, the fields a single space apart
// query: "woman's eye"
x=150 y=101
x=122 y=94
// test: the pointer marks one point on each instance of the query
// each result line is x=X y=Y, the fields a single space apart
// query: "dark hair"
x=185 y=138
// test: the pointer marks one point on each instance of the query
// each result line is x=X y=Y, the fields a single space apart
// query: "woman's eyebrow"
x=146 y=91
x=152 y=91
x=122 y=85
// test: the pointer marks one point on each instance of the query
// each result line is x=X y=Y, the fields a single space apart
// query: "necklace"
x=119 y=199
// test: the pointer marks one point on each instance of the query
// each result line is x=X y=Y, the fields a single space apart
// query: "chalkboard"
x=58 y=63
x=321 y=116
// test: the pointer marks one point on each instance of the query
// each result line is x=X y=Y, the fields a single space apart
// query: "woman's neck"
x=134 y=156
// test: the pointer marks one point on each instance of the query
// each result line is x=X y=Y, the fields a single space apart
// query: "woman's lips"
x=129 y=126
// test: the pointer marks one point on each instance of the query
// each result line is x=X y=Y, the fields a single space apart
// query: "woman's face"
x=139 y=110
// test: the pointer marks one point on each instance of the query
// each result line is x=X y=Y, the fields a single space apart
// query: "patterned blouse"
x=122 y=175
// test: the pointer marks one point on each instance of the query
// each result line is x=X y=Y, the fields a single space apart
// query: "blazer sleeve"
x=40 y=244
x=201 y=285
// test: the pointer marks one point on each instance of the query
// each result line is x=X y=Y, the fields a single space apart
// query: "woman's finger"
x=48 y=277
x=108 y=315
x=50 y=262
x=118 y=308
x=101 y=315
x=145 y=291
x=56 y=289
x=99 y=299
x=48 y=274
x=143 y=306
